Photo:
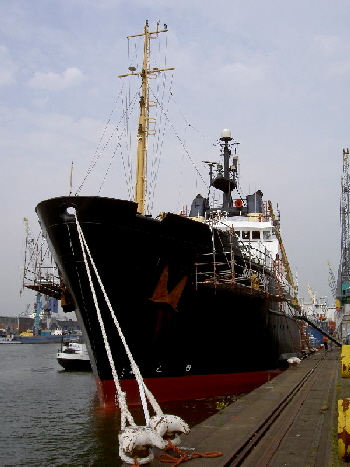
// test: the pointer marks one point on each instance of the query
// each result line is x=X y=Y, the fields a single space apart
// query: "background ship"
x=205 y=300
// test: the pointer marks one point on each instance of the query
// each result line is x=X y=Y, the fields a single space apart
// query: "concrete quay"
x=290 y=421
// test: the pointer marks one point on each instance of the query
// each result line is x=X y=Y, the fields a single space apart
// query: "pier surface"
x=290 y=421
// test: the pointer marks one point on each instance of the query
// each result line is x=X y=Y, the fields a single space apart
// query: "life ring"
x=238 y=203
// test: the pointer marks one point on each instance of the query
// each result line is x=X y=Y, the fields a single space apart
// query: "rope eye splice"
x=169 y=427
x=135 y=442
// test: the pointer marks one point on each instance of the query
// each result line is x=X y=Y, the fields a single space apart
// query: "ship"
x=205 y=299
x=6 y=338
x=73 y=356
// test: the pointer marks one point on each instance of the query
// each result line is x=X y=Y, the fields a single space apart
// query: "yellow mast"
x=144 y=118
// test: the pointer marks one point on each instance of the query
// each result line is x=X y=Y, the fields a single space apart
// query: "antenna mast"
x=144 y=118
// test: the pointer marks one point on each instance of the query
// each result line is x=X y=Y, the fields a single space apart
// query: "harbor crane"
x=343 y=290
x=40 y=273
x=294 y=301
x=332 y=280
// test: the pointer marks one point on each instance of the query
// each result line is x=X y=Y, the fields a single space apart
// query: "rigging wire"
x=98 y=152
x=181 y=177
x=108 y=168
x=128 y=140
x=126 y=163
x=92 y=163
x=160 y=142
x=190 y=124
x=180 y=141
x=155 y=146
x=97 y=156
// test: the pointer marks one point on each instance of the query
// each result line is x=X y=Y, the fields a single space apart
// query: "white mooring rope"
x=133 y=439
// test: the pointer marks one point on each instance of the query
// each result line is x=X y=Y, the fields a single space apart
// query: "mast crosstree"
x=144 y=117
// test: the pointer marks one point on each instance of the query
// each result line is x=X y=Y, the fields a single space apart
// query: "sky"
x=274 y=72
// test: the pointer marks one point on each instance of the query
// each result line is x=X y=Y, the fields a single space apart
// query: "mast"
x=226 y=175
x=227 y=198
x=144 y=118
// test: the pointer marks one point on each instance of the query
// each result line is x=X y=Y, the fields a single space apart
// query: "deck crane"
x=344 y=268
x=333 y=285
x=294 y=301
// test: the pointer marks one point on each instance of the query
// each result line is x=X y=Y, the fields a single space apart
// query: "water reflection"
x=53 y=417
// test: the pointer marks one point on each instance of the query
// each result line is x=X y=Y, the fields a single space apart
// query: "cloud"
x=334 y=53
x=55 y=81
x=340 y=69
x=8 y=68
x=41 y=103
x=328 y=45
x=241 y=74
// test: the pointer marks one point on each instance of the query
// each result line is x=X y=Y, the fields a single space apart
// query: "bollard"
x=344 y=429
x=345 y=361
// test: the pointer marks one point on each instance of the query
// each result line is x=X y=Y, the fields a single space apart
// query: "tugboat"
x=205 y=301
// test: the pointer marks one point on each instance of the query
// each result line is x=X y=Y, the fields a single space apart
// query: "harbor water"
x=52 y=418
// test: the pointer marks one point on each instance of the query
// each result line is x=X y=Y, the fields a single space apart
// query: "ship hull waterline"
x=185 y=387
x=74 y=364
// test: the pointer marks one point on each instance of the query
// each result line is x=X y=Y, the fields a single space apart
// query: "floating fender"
x=293 y=361
x=345 y=361
x=344 y=429
x=238 y=203
x=138 y=442
x=169 y=427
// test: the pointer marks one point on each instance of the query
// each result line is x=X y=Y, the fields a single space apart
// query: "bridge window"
x=245 y=234
x=267 y=235
x=256 y=235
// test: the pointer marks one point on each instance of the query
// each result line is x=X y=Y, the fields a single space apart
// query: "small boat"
x=9 y=338
x=73 y=356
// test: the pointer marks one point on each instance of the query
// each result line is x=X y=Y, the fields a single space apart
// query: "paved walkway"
x=309 y=422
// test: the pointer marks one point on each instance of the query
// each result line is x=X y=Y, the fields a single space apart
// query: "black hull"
x=174 y=326
x=74 y=365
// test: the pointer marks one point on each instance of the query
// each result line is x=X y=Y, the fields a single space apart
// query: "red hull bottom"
x=185 y=387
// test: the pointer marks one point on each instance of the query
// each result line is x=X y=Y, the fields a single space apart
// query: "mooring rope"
x=183 y=455
x=126 y=415
x=134 y=367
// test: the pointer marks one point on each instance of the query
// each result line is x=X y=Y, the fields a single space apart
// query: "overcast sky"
x=275 y=72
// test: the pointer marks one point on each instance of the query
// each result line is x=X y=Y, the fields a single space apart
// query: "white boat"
x=8 y=339
x=73 y=356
